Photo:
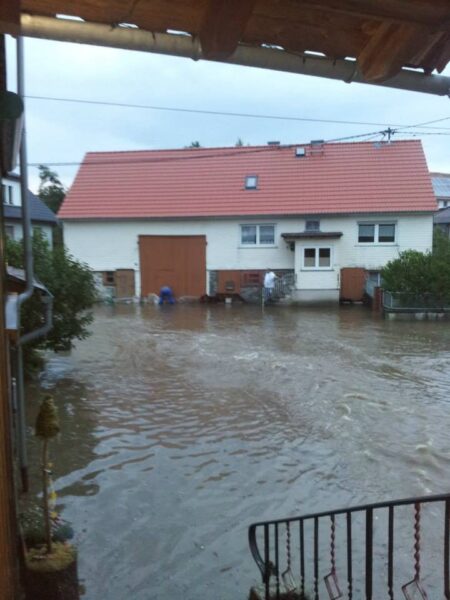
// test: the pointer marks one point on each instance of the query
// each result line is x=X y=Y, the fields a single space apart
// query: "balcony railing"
x=397 y=549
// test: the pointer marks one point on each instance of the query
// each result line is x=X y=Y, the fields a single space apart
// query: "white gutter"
x=131 y=38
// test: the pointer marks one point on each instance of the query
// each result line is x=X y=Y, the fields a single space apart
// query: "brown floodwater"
x=181 y=425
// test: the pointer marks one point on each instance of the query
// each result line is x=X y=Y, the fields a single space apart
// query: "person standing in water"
x=269 y=284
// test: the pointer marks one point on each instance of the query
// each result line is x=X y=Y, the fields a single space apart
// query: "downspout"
x=28 y=292
x=29 y=284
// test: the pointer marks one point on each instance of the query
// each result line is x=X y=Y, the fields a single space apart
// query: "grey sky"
x=59 y=132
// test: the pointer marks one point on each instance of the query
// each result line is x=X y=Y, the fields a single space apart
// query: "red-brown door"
x=352 y=283
x=178 y=261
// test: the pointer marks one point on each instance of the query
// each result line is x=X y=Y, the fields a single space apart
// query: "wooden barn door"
x=124 y=279
x=178 y=261
x=352 y=284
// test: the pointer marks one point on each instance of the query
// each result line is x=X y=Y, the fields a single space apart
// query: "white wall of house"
x=15 y=231
x=411 y=232
x=109 y=245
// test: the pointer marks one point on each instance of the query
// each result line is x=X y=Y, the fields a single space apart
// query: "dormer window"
x=312 y=225
x=251 y=182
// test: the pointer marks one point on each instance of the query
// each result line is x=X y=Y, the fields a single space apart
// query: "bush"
x=418 y=274
x=73 y=288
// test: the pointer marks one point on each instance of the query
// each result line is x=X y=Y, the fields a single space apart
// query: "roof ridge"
x=248 y=147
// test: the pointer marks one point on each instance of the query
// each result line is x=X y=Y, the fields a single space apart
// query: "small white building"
x=42 y=218
x=211 y=220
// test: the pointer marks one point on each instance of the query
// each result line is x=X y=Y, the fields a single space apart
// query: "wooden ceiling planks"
x=383 y=35
x=10 y=15
x=223 y=26
x=389 y=48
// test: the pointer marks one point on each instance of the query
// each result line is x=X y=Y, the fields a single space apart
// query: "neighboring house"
x=442 y=220
x=441 y=186
x=42 y=218
x=211 y=220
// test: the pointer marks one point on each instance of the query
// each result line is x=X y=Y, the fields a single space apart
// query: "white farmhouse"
x=211 y=220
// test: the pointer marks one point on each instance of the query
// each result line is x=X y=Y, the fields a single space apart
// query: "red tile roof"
x=360 y=177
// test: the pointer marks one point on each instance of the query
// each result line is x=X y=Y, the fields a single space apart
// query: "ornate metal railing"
x=283 y=287
x=397 y=549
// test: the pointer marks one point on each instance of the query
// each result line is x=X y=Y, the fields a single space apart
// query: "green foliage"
x=239 y=143
x=195 y=144
x=51 y=190
x=73 y=288
x=421 y=274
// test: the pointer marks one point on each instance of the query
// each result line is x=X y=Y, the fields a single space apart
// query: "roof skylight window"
x=251 y=182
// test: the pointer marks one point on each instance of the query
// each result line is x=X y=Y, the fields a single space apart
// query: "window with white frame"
x=7 y=191
x=258 y=235
x=376 y=233
x=317 y=258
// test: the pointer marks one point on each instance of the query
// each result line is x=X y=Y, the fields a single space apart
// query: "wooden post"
x=8 y=530
x=377 y=302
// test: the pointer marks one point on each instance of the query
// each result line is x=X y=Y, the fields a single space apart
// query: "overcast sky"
x=64 y=132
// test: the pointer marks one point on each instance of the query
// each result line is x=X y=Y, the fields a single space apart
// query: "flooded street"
x=182 y=425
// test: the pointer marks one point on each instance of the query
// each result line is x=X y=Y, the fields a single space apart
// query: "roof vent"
x=273 y=143
x=300 y=152
x=317 y=146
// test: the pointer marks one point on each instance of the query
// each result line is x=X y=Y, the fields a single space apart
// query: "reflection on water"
x=181 y=425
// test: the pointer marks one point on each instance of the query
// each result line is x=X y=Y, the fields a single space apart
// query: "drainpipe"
x=29 y=285
x=27 y=293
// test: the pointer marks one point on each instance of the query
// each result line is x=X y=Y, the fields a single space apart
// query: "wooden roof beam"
x=390 y=47
x=434 y=14
x=223 y=26
x=10 y=16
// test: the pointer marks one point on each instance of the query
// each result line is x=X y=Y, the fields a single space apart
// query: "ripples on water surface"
x=182 y=425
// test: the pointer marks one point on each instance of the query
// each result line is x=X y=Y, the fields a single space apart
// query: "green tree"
x=239 y=143
x=72 y=285
x=52 y=193
x=51 y=190
x=195 y=144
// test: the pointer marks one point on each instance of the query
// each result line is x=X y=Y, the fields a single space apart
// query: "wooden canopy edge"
x=189 y=47
x=382 y=36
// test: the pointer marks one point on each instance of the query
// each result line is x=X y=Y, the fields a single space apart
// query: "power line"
x=421 y=132
x=223 y=153
x=227 y=113
x=429 y=123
